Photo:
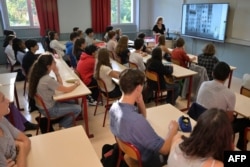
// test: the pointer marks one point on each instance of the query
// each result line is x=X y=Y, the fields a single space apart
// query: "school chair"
x=132 y=65
x=130 y=151
x=103 y=95
x=244 y=91
x=39 y=102
x=159 y=93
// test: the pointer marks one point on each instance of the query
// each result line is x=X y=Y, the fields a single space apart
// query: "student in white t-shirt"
x=112 y=43
x=105 y=72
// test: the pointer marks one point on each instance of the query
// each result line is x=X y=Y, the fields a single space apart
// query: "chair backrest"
x=130 y=150
x=244 y=91
x=153 y=76
x=102 y=86
x=196 y=110
x=39 y=102
x=175 y=61
x=133 y=65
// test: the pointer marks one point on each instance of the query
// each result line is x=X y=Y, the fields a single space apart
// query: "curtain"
x=47 y=12
x=101 y=15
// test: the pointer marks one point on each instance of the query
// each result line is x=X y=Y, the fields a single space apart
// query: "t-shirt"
x=124 y=56
x=180 y=55
x=213 y=94
x=10 y=53
x=157 y=30
x=138 y=60
x=20 y=55
x=7 y=142
x=28 y=60
x=111 y=45
x=89 y=41
x=58 y=47
x=104 y=75
x=130 y=126
x=46 y=89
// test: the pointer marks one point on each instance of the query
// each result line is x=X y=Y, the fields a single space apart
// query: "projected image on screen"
x=205 y=21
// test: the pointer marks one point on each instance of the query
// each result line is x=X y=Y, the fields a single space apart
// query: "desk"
x=179 y=73
x=65 y=148
x=80 y=92
x=117 y=67
x=160 y=116
x=242 y=105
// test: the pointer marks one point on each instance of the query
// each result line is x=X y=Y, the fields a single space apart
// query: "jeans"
x=60 y=109
x=176 y=89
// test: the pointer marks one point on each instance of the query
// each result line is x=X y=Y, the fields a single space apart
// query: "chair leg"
x=39 y=121
x=24 y=86
x=98 y=99
x=104 y=119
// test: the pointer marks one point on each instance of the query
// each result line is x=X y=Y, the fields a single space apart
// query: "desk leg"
x=85 y=116
x=17 y=100
x=230 y=78
x=189 y=93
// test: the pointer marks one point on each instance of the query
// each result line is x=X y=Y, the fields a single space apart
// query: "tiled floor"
x=102 y=135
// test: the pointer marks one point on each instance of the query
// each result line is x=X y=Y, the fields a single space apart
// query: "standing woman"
x=105 y=72
x=122 y=50
x=45 y=86
x=159 y=28
x=208 y=60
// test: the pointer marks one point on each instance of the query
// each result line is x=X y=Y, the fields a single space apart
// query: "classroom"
x=93 y=88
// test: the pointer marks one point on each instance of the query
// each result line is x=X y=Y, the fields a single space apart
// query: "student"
x=159 y=27
x=80 y=33
x=246 y=81
x=90 y=36
x=128 y=122
x=69 y=49
x=214 y=94
x=118 y=33
x=44 y=85
x=212 y=135
x=108 y=28
x=145 y=49
x=9 y=50
x=180 y=54
x=136 y=56
x=162 y=44
x=19 y=49
x=105 y=72
x=85 y=68
x=75 y=29
x=122 y=50
x=207 y=59
x=56 y=45
x=155 y=64
x=15 y=145
x=111 y=45
x=79 y=47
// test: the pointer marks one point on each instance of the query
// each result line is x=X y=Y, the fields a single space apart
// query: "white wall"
x=74 y=13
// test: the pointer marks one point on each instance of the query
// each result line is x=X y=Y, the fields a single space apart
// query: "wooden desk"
x=179 y=73
x=64 y=148
x=8 y=91
x=8 y=78
x=117 y=67
x=80 y=92
x=160 y=116
x=242 y=105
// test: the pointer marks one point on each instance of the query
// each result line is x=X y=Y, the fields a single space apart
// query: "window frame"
x=133 y=14
x=6 y=21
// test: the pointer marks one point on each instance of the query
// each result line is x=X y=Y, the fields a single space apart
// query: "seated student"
x=207 y=59
x=80 y=33
x=15 y=146
x=136 y=56
x=75 y=29
x=69 y=49
x=212 y=135
x=19 y=49
x=145 y=49
x=180 y=54
x=214 y=94
x=162 y=44
x=108 y=28
x=105 y=72
x=79 y=47
x=155 y=64
x=86 y=67
x=122 y=50
x=111 y=45
x=56 y=45
x=44 y=85
x=7 y=33
x=9 y=50
x=246 y=81
x=90 y=36
x=118 y=33
x=128 y=122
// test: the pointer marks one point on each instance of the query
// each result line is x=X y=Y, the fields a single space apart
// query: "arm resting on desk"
x=114 y=74
x=66 y=89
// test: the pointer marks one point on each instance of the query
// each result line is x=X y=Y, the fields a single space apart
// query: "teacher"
x=159 y=28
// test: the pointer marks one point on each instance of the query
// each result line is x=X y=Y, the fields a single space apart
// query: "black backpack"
x=110 y=155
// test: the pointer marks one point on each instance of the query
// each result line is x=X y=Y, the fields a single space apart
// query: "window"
x=122 y=11
x=20 y=13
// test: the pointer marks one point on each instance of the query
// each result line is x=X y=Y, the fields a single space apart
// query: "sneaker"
x=92 y=103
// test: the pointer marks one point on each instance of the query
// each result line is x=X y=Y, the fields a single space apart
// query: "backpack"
x=110 y=155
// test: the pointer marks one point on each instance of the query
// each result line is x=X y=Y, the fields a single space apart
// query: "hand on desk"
x=173 y=127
